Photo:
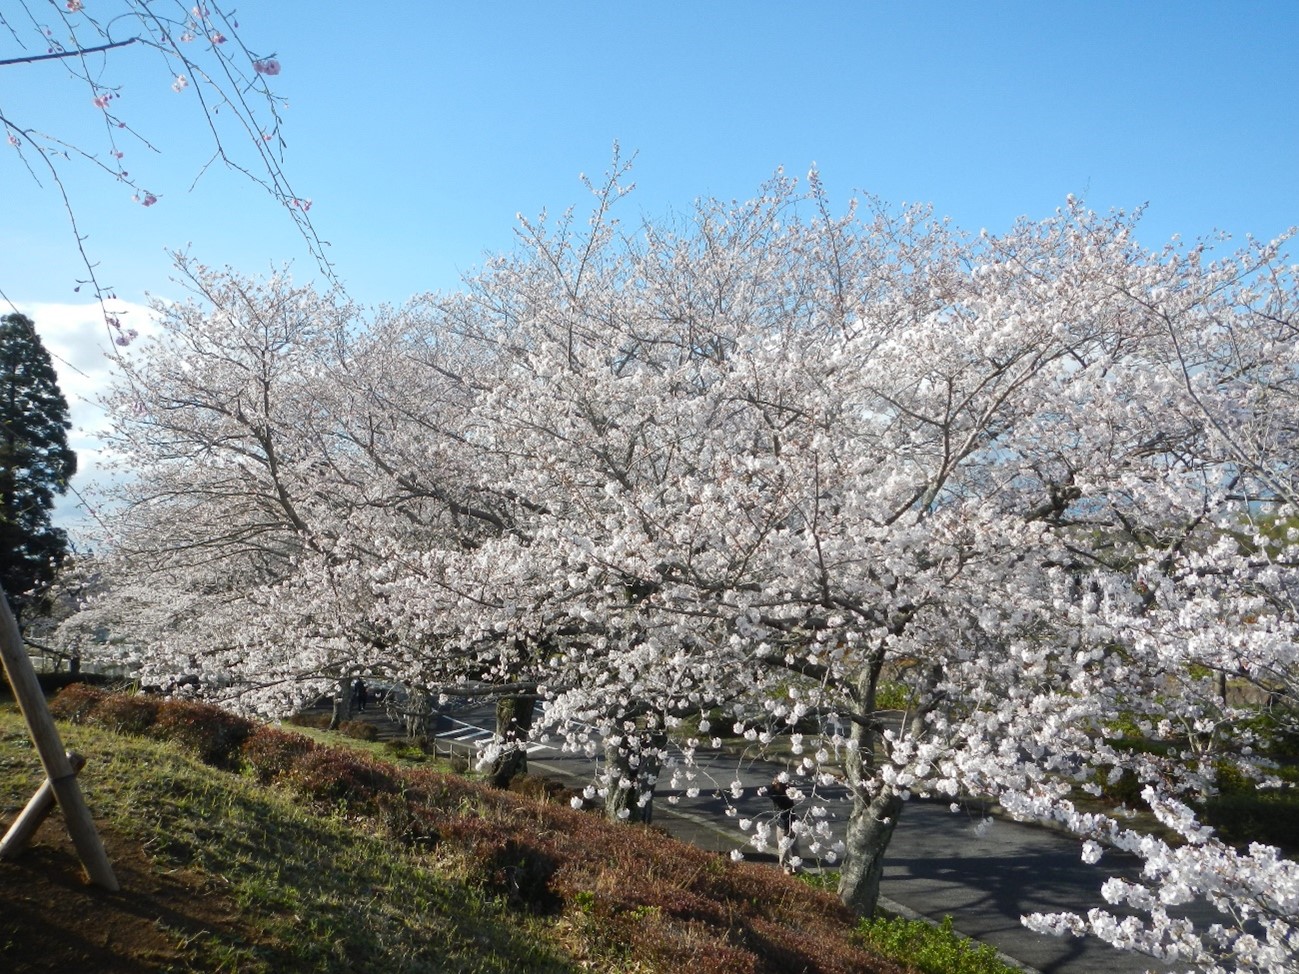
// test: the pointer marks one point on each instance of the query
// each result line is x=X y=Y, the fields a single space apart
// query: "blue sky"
x=420 y=132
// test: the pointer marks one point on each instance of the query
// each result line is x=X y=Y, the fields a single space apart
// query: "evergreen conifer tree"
x=36 y=464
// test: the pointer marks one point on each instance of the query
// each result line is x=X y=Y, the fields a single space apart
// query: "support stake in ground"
x=58 y=768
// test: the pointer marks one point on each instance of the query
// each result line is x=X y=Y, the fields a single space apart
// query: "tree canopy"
x=944 y=511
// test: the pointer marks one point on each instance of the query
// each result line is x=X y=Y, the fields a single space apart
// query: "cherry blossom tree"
x=807 y=459
x=1214 y=603
x=948 y=515
x=442 y=551
x=301 y=508
x=222 y=422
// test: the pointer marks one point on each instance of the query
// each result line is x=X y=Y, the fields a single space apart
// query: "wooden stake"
x=38 y=809
x=58 y=769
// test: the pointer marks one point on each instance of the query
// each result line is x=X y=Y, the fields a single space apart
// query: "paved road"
x=984 y=874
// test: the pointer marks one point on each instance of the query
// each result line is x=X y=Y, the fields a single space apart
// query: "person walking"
x=786 y=839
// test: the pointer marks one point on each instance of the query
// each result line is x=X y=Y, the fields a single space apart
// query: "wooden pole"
x=58 y=769
x=30 y=818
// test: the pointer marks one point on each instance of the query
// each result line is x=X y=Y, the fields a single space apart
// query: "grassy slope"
x=312 y=891
x=427 y=873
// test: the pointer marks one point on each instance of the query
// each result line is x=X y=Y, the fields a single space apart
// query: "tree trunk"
x=342 y=703
x=870 y=827
x=513 y=724
x=421 y=714
x=638 y=765
x=872 y=820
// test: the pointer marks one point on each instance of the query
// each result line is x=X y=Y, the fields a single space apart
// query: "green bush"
x=1126 y=790
x=931 y=949
x=1270 y=817
x=894 y=695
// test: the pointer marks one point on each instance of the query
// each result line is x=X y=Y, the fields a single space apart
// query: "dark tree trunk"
x=513 y=725
x=421 y=714
x=872 y=819
x=870 y=827
x=342 y=703
x=637 y=763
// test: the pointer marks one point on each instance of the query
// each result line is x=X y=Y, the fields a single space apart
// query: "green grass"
x=402 y=753
x=322 y=893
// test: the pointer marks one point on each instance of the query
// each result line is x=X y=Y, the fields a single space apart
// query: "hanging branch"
x=205 y=56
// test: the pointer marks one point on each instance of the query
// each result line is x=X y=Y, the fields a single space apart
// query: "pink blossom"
x=145 y=199
x=13 y=140
x=218 y=37
x=101 y=101
x=180 y=84
x=73 y=6
x=268 y=66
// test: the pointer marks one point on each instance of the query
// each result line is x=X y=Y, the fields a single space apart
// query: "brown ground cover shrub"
x=77 y=703
x=270 y=752
x=215 y=735
x=542 y=789
x=626 y=893
x=335 y=774
x=359 y=730
x=127 y=713
x=663 y=902
x=518 y=868
x=316 y=721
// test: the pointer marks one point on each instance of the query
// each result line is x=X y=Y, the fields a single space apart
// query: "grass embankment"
x=246 y=848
